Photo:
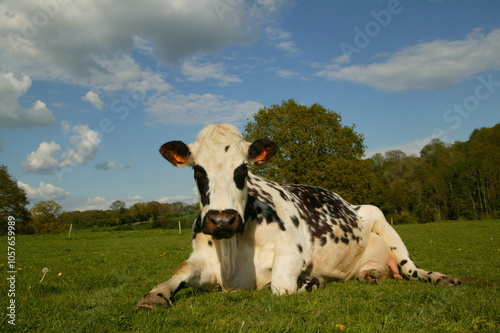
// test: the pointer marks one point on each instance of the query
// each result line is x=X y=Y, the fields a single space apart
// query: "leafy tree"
x=13 y=202
x=315 y=149
x=139 y=211
x=119 y=207
x=153 y=208
x=447 y=181
x=46 y=217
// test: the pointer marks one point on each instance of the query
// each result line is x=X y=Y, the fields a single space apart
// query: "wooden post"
x=70 y=228
x=180 y=229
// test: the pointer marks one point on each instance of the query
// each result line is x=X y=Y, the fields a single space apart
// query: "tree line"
x=445 y=181
x=49 y=217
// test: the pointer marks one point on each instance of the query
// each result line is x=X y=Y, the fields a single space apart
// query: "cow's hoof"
x=311 y=283
x=371 y=276
x=448 y=281
x=153 y=300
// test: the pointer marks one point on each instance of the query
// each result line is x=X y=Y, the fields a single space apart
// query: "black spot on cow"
x=300 y=248
x=226 y=148
x=201 y=178
x=415 y=274
x=209 y=243
x=403 y=262
x=257 y=210
x=295 y=221
x=344 y=240
x=197 y=226
x=393 y=248
x=240 y=176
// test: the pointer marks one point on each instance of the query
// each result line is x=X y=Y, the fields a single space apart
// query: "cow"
x=253 y=233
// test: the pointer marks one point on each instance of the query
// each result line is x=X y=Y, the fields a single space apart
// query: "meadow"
x=96 y=278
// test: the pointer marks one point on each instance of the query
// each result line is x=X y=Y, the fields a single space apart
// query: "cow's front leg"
x=187 y=274
x=286 y=277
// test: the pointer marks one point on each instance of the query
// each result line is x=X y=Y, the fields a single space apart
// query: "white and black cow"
x=252 y=233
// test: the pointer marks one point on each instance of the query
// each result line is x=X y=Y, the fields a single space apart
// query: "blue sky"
x=91 y=89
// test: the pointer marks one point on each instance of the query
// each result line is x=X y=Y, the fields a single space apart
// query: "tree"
x=13 y=202
x=315 y=149
x=46 y=217
x=119 y=207
x=447 y=181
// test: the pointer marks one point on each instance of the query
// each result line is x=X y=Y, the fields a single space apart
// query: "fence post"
x=180 y=229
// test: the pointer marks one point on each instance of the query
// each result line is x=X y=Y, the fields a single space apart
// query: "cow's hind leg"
x=377 y=262
x=408 y=269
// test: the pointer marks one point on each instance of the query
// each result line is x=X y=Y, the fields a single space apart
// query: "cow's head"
x=220 y=159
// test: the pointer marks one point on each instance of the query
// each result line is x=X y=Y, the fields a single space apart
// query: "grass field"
x=96 y=278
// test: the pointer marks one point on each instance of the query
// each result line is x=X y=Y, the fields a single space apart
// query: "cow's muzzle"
x=222 y=223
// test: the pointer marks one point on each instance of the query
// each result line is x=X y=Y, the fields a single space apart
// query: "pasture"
x=96 y=278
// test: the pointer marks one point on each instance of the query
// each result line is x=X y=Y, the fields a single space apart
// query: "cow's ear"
x=261 y=151
x=176 y=152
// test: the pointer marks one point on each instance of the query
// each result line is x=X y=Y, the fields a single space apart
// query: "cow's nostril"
x=230 y=219
x=222 y=218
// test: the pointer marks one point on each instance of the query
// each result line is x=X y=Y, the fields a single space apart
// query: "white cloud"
x=84 y=144
x=113 y=165
x=94 y=99
x=94 y=44
x=286 y=73
x=100 y=203
x=414 y=147
x=431 y=65
x=177 y=198
x=42 y=161
x=193 y=109
x=43 y=192
x=95 y=37
x=281 y=40
x=199 y=72
x=12 y=115
x=96 y=203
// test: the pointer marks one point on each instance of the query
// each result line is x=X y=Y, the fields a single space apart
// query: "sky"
x=90 y=89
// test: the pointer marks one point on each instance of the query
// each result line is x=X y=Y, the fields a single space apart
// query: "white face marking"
x=219 y=151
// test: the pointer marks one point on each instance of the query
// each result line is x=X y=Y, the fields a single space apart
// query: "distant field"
x=96 y=278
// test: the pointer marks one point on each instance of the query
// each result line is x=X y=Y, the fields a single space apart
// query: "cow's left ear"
x=261 y=151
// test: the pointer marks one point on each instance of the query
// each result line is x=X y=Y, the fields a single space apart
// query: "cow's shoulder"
x=327 y=215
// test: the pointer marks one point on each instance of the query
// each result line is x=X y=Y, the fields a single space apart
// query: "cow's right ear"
x=176 y=152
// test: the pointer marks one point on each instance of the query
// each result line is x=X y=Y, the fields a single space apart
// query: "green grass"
x=104 y=274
